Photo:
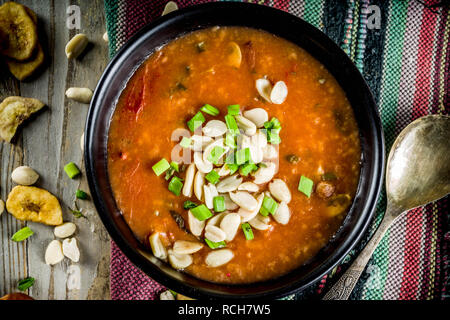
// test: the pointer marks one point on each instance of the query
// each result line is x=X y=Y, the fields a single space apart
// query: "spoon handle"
x=342 y=289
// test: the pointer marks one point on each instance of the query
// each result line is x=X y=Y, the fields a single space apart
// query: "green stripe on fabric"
x=373 y=55
x=390 y=83
x=354 y=33
x=388 y=112
x=392 y=68
x=111 y=9
x=374 y=287
x=373 y=70
x=362 y=36
x=313 y=12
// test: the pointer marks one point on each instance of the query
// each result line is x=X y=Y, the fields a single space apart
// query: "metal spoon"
x=418 y=172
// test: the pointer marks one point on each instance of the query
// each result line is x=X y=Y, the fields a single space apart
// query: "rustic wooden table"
x=46 y=144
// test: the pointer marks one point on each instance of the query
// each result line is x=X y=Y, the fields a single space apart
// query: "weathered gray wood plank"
x=47 y=143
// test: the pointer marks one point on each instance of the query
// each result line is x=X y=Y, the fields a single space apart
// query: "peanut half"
x=24 y=176
x=54 y=253
x=83 y=95
x=76 y=45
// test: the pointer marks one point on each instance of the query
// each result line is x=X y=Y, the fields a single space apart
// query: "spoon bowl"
x=418 y=172
x=418 y=167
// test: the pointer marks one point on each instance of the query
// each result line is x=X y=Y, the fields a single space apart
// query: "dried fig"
x=34 y=204
x=13 y=111
x=20 y=31
x=32 y=14
x=23 y=69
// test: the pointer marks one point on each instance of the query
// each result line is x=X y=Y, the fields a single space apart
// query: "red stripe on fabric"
x=424 y=59
x=187 y=3
x=127 y=282
x=428 y=239
x=281 y=4
x=139 y=13
x=447 y=82
x=436 y=277
x=411 y=268
x=322 y=284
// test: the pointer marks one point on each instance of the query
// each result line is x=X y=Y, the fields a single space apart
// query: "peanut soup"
x=233 y=155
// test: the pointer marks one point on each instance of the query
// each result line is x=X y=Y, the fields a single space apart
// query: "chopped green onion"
x=234 y=109
x=22 y=234
x=72 y=170
x=212 y=177
x=305 y=185
x=245 y=169
x=209 y=109
x=161 y=166
x=242 y=156
x=233 y=167
x=274 y=123
x=216 y=153
x=231 y=124
x=215 y=245
x=196 y=121
x=248 y=232
x=173 y=292
x=219 y=204
x=201 y=212
x=329 y=176
x=175 y=166
x=175 y=186
x=169 y=173
x=268 y=206
x=26 y=283
x=185 y=142
x=80 y=194
x=77 y=212
x=189 y=205
x=230 y=159
x=273 y=137
x=230 y=140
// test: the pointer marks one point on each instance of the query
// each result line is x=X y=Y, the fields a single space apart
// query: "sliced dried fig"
x=34 y=204
x=32 y=14
x=24 y=69
x=13 y=111
x=20 y=31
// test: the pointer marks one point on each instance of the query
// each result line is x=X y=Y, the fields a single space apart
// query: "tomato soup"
x=273 y=206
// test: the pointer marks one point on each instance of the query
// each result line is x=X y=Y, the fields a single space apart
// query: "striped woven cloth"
x=402 y=49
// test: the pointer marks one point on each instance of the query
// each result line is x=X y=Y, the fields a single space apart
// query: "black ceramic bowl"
x=284 y=25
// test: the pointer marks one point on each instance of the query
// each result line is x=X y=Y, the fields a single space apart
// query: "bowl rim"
x=374 y=186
